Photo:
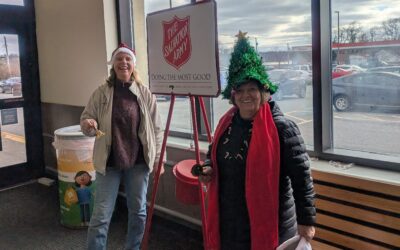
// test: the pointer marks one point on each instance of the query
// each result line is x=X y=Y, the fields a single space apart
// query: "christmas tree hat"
x=245 y=65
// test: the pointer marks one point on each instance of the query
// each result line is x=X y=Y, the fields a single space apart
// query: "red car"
x=338 y=72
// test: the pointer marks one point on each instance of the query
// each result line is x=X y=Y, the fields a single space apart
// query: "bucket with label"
x=76 y=175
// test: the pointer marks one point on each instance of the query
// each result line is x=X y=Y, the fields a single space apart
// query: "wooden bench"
x=355 y=213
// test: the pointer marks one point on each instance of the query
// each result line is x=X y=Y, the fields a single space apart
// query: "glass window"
x=12 y=137
x=10 y=72
x=366 y=100
x=284 y=45
x=181 y=117
x=365 y=84
x=282 y=37
x=12 y=2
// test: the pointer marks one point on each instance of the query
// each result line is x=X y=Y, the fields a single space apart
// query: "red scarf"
x=262 y=182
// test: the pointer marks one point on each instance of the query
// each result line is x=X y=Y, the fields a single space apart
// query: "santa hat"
x=123 y=48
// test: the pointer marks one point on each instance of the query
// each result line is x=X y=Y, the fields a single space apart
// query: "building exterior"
x=363 y=54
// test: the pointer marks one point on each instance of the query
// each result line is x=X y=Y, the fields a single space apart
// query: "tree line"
x=354 y=32
x=9 y=68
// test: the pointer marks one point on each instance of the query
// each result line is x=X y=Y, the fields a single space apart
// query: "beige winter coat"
x=150 y=133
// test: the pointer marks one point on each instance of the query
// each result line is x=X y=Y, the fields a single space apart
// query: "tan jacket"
x=150 y=133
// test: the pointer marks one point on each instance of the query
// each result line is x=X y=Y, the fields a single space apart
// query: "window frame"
x=322 y=97
x=20 y=21
x=125 y=28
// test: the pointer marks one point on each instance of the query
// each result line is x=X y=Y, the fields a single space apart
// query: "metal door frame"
x=20 y=20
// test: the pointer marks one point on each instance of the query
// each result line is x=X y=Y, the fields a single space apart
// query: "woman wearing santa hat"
x=122 y=114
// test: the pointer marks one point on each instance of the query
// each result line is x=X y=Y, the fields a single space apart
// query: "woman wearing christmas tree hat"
x=261 y=192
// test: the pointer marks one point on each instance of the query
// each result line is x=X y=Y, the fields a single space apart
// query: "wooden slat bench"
x=355 y=213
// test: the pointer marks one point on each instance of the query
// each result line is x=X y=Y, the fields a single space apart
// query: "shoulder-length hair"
x=113 y=77
x=82 y=173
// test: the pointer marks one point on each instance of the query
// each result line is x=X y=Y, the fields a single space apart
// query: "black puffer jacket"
x=296 y=190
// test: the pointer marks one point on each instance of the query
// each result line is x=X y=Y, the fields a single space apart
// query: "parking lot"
x=376 y=130
x=367 y=130
x=12 y=140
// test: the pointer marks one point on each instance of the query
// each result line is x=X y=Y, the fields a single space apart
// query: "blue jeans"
x=136 y=182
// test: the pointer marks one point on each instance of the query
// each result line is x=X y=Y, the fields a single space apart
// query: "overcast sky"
x=275 y=23
x=280 y=23
x=12 y=2
x=12 y=44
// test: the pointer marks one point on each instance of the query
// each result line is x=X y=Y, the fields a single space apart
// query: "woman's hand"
x=155 y=168
x=89 y=127
x=206 y=175
x=306 y=231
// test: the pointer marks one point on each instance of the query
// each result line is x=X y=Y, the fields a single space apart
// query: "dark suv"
x=394 y=69
x=290 y=82
x=373 y=89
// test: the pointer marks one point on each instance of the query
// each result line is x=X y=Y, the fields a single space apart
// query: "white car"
x=305 y=67
x=305 y=75
x=289 y=82
x=10 y=85
x=348 y=67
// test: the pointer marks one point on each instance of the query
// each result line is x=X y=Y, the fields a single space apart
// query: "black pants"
x=85 y=212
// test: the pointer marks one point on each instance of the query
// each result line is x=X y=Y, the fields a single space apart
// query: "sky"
x=12 y=44
x=12 y=40
x=275 y=24
x=279 y=24
x=12 y=2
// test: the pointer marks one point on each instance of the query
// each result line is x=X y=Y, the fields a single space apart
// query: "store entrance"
x=20 y=118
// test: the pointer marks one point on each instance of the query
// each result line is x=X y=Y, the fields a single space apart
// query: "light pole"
x=338 y=37
x=7 y=57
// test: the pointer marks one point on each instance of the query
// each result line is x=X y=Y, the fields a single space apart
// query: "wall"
x=75 y=40
x=73 y=46
x=140 y=39
x=354 y=212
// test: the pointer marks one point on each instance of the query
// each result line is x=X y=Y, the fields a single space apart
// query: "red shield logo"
x=177 y=46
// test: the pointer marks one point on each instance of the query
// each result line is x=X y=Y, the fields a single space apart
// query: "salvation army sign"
x=183 y=50
x=177 y=45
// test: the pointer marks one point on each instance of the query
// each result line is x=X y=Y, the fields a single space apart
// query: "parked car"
x=11 y=84
x=307 y=76
x=290 y=82
x=367 y=88
x=305 y=67
x=394 y=69
x=348 y=67
x=338 y=72
x=268 y=66
x=163 y=97
x=167 y=98
x=223 y=74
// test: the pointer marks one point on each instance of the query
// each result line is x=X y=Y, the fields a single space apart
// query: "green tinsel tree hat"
x=246 y=65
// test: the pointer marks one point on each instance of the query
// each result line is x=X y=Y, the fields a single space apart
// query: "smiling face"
x=248 y=99
x=83 y=179
x=123 y=66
